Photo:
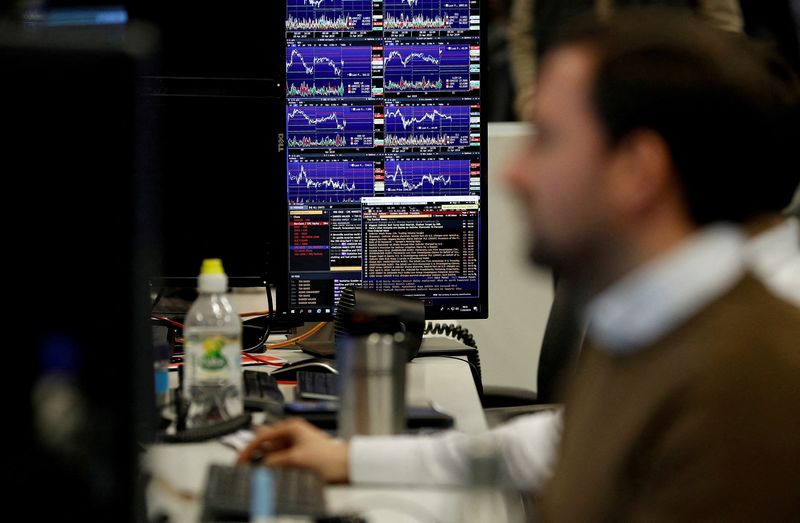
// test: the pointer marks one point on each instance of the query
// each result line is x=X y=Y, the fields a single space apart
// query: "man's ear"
x=641 y=172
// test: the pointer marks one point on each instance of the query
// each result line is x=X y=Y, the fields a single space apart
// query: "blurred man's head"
x=648 y=126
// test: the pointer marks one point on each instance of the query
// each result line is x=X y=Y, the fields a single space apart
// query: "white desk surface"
x=178 y=470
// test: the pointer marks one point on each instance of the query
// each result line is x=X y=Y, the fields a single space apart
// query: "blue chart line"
x=326 y=127
x=426 y=126
x=426 y=68
x=413 y=15
x=329 y=15
x=329 y=181
x=324 y=72
x=426 y=178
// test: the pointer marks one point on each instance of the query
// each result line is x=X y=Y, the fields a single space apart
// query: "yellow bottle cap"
x=212 y=266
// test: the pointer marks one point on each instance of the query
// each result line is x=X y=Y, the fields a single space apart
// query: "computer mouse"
x=289 y=371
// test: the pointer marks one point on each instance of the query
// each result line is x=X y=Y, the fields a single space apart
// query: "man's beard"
x=541 y=255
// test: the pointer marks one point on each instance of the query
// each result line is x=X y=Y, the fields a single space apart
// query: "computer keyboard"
x=226 y=495
x=317 y=385
x=261 y=392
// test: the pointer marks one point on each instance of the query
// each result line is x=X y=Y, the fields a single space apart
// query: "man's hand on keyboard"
x=297 y=443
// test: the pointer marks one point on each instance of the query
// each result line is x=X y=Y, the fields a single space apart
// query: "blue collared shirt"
x=654 y=299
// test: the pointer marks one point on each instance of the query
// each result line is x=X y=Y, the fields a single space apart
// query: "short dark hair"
x=727 y=111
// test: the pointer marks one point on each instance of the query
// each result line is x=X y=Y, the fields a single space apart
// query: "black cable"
x=258 y=347
x=157 y=299
x=270 y=307
x=454 y=331
x=475 y=360
x=259 y=344
x=472 y=365
x=474 y=369
x=464 y=336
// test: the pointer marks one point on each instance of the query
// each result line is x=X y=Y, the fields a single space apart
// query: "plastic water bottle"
x=212 y=378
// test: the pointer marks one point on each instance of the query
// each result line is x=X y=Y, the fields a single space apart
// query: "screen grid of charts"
x=385 y=161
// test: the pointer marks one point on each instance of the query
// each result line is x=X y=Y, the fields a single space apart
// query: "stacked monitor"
x=218 y=96
x=213 y=145
x=385 y=155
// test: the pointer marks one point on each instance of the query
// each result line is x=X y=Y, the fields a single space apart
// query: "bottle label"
x=215 y=357
x=212 y=358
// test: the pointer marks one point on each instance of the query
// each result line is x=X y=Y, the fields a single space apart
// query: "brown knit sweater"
x=701 y=426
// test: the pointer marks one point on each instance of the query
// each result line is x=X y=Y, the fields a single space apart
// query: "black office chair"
x=561 y=343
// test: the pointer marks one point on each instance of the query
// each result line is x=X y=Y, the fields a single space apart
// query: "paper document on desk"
x=238 y=440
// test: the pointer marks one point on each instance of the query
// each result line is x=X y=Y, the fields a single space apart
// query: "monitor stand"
x=320 y=344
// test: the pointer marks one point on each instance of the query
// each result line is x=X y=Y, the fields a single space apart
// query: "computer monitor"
x=219 y=102
x=79 y=387
x=385 y=158
x=216 y=144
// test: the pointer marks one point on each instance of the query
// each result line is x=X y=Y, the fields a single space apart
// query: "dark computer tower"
x=78 y=237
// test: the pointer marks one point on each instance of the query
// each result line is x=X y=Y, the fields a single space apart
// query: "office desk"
x=178 y=470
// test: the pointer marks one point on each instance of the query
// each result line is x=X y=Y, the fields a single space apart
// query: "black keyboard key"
x=226 y=495
x=261 y=392
x=317 y=385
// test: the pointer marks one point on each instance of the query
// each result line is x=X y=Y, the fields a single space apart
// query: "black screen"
x=216 y=143
x=219 y=103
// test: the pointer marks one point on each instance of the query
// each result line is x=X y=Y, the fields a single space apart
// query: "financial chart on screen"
x=385 y=153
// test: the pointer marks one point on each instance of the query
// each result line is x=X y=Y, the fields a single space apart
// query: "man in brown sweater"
x=650 y=131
